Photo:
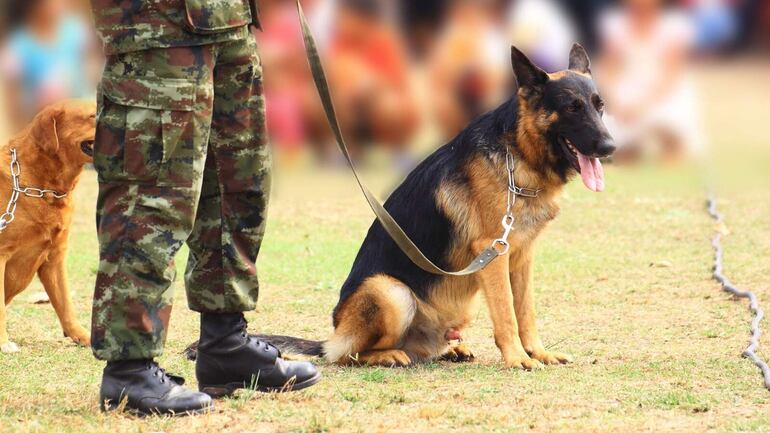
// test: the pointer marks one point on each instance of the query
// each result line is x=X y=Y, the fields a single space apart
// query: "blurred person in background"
x=321 y=15
x=763 y=29
x=644 y=75
x=466 y=68
x=421 y=20
x=370 y=77
x=288 y=84
x=715 y=23
x=49 y=55
x=543 y=30
x=584 y=14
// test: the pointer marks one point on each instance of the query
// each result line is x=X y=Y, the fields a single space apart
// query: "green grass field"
x=622 y=280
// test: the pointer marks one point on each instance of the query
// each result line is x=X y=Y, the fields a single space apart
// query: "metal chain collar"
x=508 y=218
x=18 y=190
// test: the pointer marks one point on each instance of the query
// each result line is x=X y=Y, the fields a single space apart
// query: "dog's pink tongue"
x=592 y=173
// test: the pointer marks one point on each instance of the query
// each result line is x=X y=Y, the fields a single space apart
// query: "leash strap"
x=383 y=216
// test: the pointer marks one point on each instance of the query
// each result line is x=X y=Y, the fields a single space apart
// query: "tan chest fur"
x=37 y=230
x=476 y=209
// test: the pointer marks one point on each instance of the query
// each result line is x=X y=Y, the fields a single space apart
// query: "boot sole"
x=219 y=391
x=111 y=407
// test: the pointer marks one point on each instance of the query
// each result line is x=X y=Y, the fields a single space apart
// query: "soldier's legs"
x=152 y=132
x=221 y=277
x=221 y=274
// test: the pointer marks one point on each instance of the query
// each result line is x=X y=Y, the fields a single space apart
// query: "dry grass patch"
x=622 y=281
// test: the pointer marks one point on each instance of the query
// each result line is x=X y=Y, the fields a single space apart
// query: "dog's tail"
x=290 y=347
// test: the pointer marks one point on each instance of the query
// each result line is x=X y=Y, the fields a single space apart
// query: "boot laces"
x=264 y=345
x=157 y=371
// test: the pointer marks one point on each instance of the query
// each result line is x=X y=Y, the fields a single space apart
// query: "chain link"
x=17 y=190
x=508 y=218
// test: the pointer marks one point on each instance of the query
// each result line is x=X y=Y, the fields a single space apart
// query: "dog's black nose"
x=605 y=147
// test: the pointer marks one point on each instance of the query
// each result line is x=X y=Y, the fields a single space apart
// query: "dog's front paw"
x=523 y=361
x=551 y=358
x=80 y=336
x=9 y=347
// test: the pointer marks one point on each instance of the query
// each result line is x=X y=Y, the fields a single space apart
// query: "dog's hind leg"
x=6 y=345
x=53 y=275
x=371 y=324
x=385 y=358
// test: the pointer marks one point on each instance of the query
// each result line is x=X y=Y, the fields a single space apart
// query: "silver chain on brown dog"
x=53 y=150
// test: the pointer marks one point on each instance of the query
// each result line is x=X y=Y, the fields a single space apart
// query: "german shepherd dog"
x=391 y=312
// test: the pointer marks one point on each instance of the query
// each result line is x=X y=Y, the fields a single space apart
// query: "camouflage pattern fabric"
x=126 y=26
x=181 y=155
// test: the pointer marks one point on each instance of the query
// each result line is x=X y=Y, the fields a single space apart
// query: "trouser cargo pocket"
x=145 y=125
x=206 y=16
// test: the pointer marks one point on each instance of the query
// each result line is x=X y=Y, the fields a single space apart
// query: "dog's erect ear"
x=45 y=131
x=527 y=74
x=578 y=60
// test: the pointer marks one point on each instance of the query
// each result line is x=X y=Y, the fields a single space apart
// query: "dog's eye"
x=599 y=104
x=575 y=106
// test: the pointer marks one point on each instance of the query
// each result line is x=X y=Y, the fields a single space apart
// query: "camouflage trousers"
x=182 y=156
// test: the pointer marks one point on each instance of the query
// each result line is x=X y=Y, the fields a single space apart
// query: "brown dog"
x=51 y=153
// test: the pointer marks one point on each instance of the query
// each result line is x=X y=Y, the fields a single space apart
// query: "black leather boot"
x=148 y=390
x=230 y=359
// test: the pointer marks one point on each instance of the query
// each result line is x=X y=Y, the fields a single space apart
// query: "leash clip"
x=502 y=241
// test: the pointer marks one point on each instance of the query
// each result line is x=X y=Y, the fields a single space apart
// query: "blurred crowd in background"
x=399 y=68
